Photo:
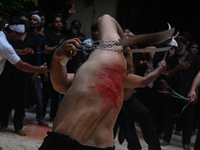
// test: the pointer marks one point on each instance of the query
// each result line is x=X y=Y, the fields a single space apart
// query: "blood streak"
x=110 y=84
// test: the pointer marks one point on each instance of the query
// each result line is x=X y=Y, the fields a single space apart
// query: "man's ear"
x=14 y=32
x=0 y=18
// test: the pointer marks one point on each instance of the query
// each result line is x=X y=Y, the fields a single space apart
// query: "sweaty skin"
x=90 y=107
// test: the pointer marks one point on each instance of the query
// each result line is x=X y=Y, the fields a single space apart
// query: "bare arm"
x=24 y=51
x=60 y=79
x=135 y=81
x=23 y=66
x=196 y=82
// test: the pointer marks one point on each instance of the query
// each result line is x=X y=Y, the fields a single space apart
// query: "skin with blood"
x=89 y=110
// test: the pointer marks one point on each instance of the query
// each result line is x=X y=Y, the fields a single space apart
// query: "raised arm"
x=135 y=81
x=195 y=84
x=60 y=79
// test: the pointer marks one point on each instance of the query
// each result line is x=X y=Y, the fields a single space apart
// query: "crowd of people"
x=158 y=114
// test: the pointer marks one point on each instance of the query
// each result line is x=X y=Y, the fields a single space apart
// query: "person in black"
x=182 y=68
x=52 y=40
x=15 y=90
x=36 y=82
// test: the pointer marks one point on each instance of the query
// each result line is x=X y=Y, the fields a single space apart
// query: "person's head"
x=73 y=33
x=193 y=47
x=35 y=21
x=4 y=18
x=43 y=18
x=24 y=16
x=182 y=45
x=95 y=32
x=82 y=37
x=15 y=29
x=76 y=23
x=56 y=22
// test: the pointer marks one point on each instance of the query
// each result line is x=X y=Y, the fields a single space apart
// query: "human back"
x=91 y=105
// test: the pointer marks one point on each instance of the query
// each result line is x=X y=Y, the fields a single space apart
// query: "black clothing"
x=52 y=40
x=15 y=85
x=134 y=109
x=182 y=80
x=181 y=83
x=58 y=141
x=39 y=38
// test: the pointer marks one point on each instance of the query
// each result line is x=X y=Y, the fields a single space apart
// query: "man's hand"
x=192 y=96
x=64 y=49
x=72 y=10
x=25 y=51
x=184 y=65
x=43 y=68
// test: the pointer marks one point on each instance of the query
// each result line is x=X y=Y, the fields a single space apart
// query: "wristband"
x=64 y=61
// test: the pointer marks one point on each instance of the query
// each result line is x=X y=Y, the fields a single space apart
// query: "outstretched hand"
x=25 y=51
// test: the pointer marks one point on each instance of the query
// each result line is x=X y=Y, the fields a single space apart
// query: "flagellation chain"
x=102 y=46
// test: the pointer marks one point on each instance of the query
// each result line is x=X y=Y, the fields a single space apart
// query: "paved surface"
x=35 y=135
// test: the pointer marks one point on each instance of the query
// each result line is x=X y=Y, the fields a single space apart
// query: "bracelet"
x=64 y=61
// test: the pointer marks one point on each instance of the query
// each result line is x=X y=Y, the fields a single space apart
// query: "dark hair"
x=1 y=13
x=42 y=14
x=72 y=24
x=71 y=31
x=24 y=13
x=94 y=27
x=55 y=16
x=14 y=20
x=181 y=39
x=193 y=43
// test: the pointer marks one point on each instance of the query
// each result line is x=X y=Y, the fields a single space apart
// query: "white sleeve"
x=10 y=54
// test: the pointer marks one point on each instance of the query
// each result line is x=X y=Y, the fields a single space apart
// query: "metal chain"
x=104 y=46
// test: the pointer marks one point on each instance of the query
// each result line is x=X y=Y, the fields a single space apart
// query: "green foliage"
x=13 y=5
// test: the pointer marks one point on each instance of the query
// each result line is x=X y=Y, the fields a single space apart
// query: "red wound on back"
x=110 y=85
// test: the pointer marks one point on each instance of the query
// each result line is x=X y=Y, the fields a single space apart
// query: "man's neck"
x=35 y=31
x=181 y=58
x=57 y=32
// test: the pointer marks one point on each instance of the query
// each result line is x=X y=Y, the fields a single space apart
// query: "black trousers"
x=145 y=120
x=57 y=141
x=138 y=111
x=48 y=92
x=174 y=106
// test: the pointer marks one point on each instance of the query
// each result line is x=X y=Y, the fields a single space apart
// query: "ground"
x=35 y=135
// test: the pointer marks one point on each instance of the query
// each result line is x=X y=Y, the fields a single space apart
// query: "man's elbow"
x=144 y=83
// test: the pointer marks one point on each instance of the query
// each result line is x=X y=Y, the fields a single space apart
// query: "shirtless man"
x=92 y=101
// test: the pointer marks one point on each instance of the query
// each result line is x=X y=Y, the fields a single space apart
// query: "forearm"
x=152 y=76
x=23 y=66
x=196 y=82
x=173 y=71
x=58 y=76
x=18 y=52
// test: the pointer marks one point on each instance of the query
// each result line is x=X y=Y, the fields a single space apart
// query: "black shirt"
x=182 y=79
x=52 y=40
